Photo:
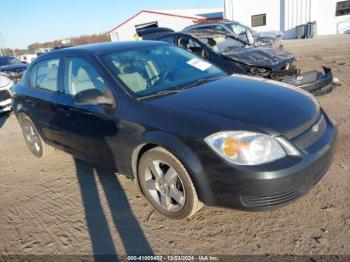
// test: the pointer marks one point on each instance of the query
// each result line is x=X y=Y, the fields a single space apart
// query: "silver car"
x=233 y=27
x=5 y=94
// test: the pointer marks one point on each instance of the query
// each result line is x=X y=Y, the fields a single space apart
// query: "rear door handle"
x=30 y=102
x=78 y=110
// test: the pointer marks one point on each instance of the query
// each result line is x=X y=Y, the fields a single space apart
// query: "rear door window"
x=220 y=29
x=44 y=75
x=210 y=27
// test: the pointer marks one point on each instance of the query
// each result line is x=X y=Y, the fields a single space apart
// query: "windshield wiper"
x=199 y=82
x=161 y=93
x=177 y=90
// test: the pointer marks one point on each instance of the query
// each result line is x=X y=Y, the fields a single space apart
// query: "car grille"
x=300 y=130
x=311 y=135
x=277 y=199
x=4 y=95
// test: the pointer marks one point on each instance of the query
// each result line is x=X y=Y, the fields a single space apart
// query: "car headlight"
x=259 y=71
x=245 y=148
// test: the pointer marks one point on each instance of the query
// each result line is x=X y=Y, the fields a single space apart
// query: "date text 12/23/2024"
x=173 y=258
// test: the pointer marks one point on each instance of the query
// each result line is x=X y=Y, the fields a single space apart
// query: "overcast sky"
x=23 y=22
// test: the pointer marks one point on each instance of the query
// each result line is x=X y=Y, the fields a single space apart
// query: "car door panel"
x=41 y=107
x=87 y=129
x=40 y=101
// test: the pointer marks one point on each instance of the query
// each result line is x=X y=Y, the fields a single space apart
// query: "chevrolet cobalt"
x=186 y=133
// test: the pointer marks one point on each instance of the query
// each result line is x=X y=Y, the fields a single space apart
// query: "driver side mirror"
x=94 y=97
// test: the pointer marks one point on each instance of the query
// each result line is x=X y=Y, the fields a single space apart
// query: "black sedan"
x=12 y=67
x=176 y=124
x=233 y=55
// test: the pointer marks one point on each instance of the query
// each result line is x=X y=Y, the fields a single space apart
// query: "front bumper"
x=5 y=106
x=315 y=82
x=272 y=185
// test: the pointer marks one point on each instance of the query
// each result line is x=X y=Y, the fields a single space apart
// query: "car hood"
x=14 y=67
x=5 y=83
x=260 y=56
x=241 y=102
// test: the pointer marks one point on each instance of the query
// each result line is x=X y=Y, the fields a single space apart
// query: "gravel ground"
x=59 y=206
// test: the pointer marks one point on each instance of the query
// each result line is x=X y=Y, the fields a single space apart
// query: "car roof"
x=196 y=33
x=224 y=22
x=154 y=29
x=202 y=33
x=100 y=48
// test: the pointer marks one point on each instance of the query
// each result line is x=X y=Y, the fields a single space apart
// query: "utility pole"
x=2 y=45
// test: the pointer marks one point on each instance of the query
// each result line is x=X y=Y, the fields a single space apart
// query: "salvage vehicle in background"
x=152 y=32
x=27 y=58
x=12 y=67
x=179 y=126
x=234 y=55
x=272 y=38
x=5 y=94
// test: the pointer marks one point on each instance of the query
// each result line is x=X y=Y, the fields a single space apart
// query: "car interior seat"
x=47 y=78
x=184 y=43
x=152 y=72
x=84 y=79
x=134 y=80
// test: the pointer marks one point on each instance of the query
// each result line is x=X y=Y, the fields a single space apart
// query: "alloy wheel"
x=165 y=186
x=32 y=137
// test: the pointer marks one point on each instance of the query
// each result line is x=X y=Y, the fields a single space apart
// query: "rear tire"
x=35 y=143
x=167 y=185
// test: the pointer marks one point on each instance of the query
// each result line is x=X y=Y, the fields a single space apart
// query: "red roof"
x=199 y=19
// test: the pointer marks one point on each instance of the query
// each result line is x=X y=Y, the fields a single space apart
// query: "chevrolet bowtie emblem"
x=315 y=128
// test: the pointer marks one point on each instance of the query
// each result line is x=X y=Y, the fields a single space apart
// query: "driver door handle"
x=64 y=111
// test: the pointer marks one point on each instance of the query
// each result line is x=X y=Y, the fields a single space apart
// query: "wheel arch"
x=182 y=152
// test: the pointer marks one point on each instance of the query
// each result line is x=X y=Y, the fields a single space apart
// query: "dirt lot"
x=62 y=206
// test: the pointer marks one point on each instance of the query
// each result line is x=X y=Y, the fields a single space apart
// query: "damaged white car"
x=5 y=94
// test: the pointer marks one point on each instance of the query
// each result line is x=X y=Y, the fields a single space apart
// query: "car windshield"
x=221 y=44
x=239 y=29
x=159 y=69
x=8 y=61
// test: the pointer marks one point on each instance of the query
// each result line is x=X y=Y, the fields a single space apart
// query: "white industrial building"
x=174 y=19
x=331 y=16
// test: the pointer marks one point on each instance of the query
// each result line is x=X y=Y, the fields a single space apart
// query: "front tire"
x=167 y=185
